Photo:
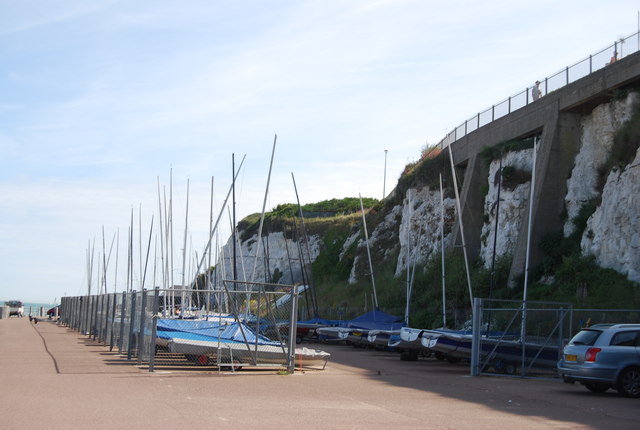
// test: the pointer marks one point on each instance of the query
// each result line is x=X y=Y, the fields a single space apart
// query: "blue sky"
x=100 y=99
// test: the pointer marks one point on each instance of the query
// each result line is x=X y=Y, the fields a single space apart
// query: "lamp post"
x=384 y=181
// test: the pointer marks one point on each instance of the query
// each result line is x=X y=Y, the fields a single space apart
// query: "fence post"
x=546 y=86
x=132 y=323
x=105 y=331
x=94 y=318
x=590 y=64
x=113 y=320
x=143 y=307
x=567 y=73
x=154 y=329
x=293 y=329
x=96 y=332
x=123 y=310
x=475 y=337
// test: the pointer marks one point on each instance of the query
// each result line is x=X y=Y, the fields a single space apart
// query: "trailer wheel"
x=202 y=360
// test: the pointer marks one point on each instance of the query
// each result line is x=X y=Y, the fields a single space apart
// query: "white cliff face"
x=282 y=254
x=598 y=131
x=511 y=210
x=612 y=234
x=382 y=231
x=419 y=234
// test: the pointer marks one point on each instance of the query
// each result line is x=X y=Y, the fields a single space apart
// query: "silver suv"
x=604 y=356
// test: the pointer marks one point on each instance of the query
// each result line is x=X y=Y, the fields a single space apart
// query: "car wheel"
x=629 y=382
x=597 y=388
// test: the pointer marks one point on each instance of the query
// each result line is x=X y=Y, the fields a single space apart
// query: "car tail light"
x=591 y=354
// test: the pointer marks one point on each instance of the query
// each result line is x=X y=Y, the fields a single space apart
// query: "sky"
x=104 y=104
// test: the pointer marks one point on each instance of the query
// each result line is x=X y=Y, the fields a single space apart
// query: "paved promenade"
x=54 y=378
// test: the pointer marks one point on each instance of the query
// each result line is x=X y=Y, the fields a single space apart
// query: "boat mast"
x=444 y=312
x=264 y=204
x=313 y=296
x=184 y=254
x=170 y=254
x=366 y=236
x=146 y=261
x=523 y=332
x=215 y=227
x=464 y=245
x=233 y=222
x=140 y=242
x=209 y=271
x=130 y=256
x=408 y=257
x=115 y=275
x=161 y=236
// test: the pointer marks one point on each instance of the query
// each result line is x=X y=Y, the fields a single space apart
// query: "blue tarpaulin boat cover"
x=322 y=321
x=188 y=325
x=377 y=320
x=209 y=331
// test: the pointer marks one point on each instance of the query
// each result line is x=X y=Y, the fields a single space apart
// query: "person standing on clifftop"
x=535 y=91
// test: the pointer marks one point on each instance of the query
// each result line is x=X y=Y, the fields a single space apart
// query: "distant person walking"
x=614 y=57
x=535 y=91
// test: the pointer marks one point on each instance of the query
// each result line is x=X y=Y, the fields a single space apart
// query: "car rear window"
x=586 y=337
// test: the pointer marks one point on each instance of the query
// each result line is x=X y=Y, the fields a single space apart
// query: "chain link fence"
x=240 y=325
x=514 y=339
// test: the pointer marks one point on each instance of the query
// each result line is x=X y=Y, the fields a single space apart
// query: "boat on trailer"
x=502 y=351
x=230 y=344
x=374 y=328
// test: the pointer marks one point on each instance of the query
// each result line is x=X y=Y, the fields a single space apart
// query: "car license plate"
x=570 y=357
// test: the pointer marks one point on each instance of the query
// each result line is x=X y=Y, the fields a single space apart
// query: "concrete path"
x=54 y=378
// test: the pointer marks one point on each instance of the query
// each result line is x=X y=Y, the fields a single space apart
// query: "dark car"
x=604 y=356
x=52 y=312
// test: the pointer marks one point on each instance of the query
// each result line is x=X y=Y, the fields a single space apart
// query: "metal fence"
x=510 y=338
x=264 y=316
x=623 y=47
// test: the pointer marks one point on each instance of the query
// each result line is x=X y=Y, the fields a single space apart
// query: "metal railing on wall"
x=621 y=48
